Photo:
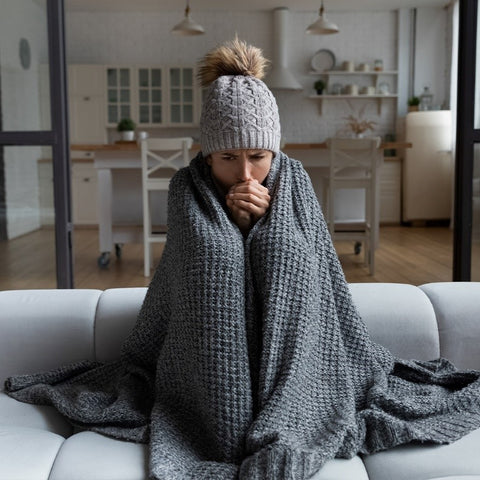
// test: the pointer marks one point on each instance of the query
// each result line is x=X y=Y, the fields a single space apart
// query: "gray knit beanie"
x=239 y=110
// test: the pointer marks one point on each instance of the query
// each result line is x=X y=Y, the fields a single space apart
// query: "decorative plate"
x=323 y=60
x=384 y=88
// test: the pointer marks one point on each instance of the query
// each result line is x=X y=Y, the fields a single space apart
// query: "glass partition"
x=27 y=249
x=24 y=71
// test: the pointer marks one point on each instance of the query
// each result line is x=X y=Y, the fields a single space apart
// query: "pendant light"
x=187 y=26
x=322 y=26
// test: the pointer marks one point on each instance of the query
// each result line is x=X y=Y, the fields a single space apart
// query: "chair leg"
x=146 y=233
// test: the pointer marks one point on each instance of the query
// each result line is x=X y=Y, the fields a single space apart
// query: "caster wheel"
x=118 y=250
x=357 y=248
x=103 y=260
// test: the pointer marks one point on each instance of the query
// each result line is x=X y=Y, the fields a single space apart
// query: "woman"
x=249 y=359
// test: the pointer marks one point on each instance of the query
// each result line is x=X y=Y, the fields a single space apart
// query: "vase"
x=128 y=135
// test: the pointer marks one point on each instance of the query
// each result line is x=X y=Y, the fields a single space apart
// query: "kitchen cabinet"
x=357 y=85
x=84 y=194
x=84 y=190
x=391 y=191
x=86 y=93
x=152 y=95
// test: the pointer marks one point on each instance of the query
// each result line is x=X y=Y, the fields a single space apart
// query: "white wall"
x=21 y=108
x=364 y=36
x=431 y=54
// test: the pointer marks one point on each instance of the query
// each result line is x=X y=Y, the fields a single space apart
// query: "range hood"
x=280 y=76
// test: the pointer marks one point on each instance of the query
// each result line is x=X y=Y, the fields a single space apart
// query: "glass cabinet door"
x=119 y=102
x=181 y=96
x=150 y=104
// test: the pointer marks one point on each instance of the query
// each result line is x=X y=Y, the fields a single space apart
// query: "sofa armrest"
x=42 y=329
x=457 y=308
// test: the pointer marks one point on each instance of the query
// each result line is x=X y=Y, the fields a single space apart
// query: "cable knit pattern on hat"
x=239 y=112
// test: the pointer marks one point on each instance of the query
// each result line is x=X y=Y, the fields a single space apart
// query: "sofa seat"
x=460 y=459
x=27 y=453
x=42 y=329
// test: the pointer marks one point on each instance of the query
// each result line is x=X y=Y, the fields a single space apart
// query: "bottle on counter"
x=426 y=100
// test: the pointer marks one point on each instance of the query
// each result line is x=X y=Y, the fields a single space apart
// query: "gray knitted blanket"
x=249 y=359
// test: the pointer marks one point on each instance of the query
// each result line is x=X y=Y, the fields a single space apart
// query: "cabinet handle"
x=86 y=98
x=88 y=154
x=86 y=179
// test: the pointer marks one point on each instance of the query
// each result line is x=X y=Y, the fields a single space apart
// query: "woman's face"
x=230 y=167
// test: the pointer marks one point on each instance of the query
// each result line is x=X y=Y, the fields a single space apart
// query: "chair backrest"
x=161 y=153
x=353 y=156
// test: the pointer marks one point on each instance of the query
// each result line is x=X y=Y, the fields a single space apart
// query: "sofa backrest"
x=43 y=329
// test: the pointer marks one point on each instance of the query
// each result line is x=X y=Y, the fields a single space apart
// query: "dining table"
x=123 y=156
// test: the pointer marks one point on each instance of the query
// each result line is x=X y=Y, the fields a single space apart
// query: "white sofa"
x=42 y=329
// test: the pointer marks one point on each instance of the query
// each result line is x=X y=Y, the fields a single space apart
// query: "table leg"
x=105 y=193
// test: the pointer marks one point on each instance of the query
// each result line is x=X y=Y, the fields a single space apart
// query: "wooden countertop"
x=287 y=146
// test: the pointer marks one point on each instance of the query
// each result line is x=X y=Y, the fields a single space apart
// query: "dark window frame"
x=58 y=139
x=467 y=136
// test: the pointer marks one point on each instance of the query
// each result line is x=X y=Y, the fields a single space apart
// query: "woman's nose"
x=244 y=171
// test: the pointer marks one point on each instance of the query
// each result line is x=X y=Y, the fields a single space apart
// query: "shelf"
x=355 y=72
x=378 y=97
x=360 y=95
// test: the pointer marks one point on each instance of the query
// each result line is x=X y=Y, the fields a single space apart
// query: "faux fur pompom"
x=232 y=58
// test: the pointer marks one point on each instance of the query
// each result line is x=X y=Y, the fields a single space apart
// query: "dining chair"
x=355 y=163
x=161 y=157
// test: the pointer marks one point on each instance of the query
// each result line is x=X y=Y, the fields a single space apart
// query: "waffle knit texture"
x=239 y=112
x=248 y=359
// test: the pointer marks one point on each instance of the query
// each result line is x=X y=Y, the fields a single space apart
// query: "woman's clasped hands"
x=248 y=201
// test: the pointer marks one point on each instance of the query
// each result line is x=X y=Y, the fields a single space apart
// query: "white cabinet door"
x=84 y=194
x=87 y=104
x=86 y=79
x=390 y=191
x=87 y=124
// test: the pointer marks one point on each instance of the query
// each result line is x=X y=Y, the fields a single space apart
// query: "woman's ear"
x=208 y=160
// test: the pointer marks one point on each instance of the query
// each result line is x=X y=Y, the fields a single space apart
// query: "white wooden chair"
x=355 y=164
x=159 y=155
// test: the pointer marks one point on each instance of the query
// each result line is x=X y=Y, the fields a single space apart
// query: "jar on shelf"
x=426 y=99
x=378 y=65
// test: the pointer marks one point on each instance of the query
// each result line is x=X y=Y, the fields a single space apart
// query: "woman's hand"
x=248 y=201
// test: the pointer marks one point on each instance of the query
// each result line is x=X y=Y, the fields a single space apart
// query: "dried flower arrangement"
x=359 y=126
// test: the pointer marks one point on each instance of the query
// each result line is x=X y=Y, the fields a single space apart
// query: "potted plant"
x=319 y=86
x=359 y=126
x=126 y=127
x=413 y=103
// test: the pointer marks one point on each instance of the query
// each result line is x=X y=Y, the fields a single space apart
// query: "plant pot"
x=128 y=135
x=413 y=108
x=319 y=91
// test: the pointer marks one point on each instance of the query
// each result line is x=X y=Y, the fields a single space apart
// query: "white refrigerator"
x=428 y=166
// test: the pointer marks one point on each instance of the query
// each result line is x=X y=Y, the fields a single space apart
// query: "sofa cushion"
x=404 y=309
x=342 y=469
x=14 y=413
x=88 y=456
x=42 y=329
x=456 y=306
x=27 y=453
x=116 y=315
x=426 y=462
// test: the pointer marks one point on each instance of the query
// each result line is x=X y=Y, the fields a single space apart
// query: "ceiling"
x=245 y=5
